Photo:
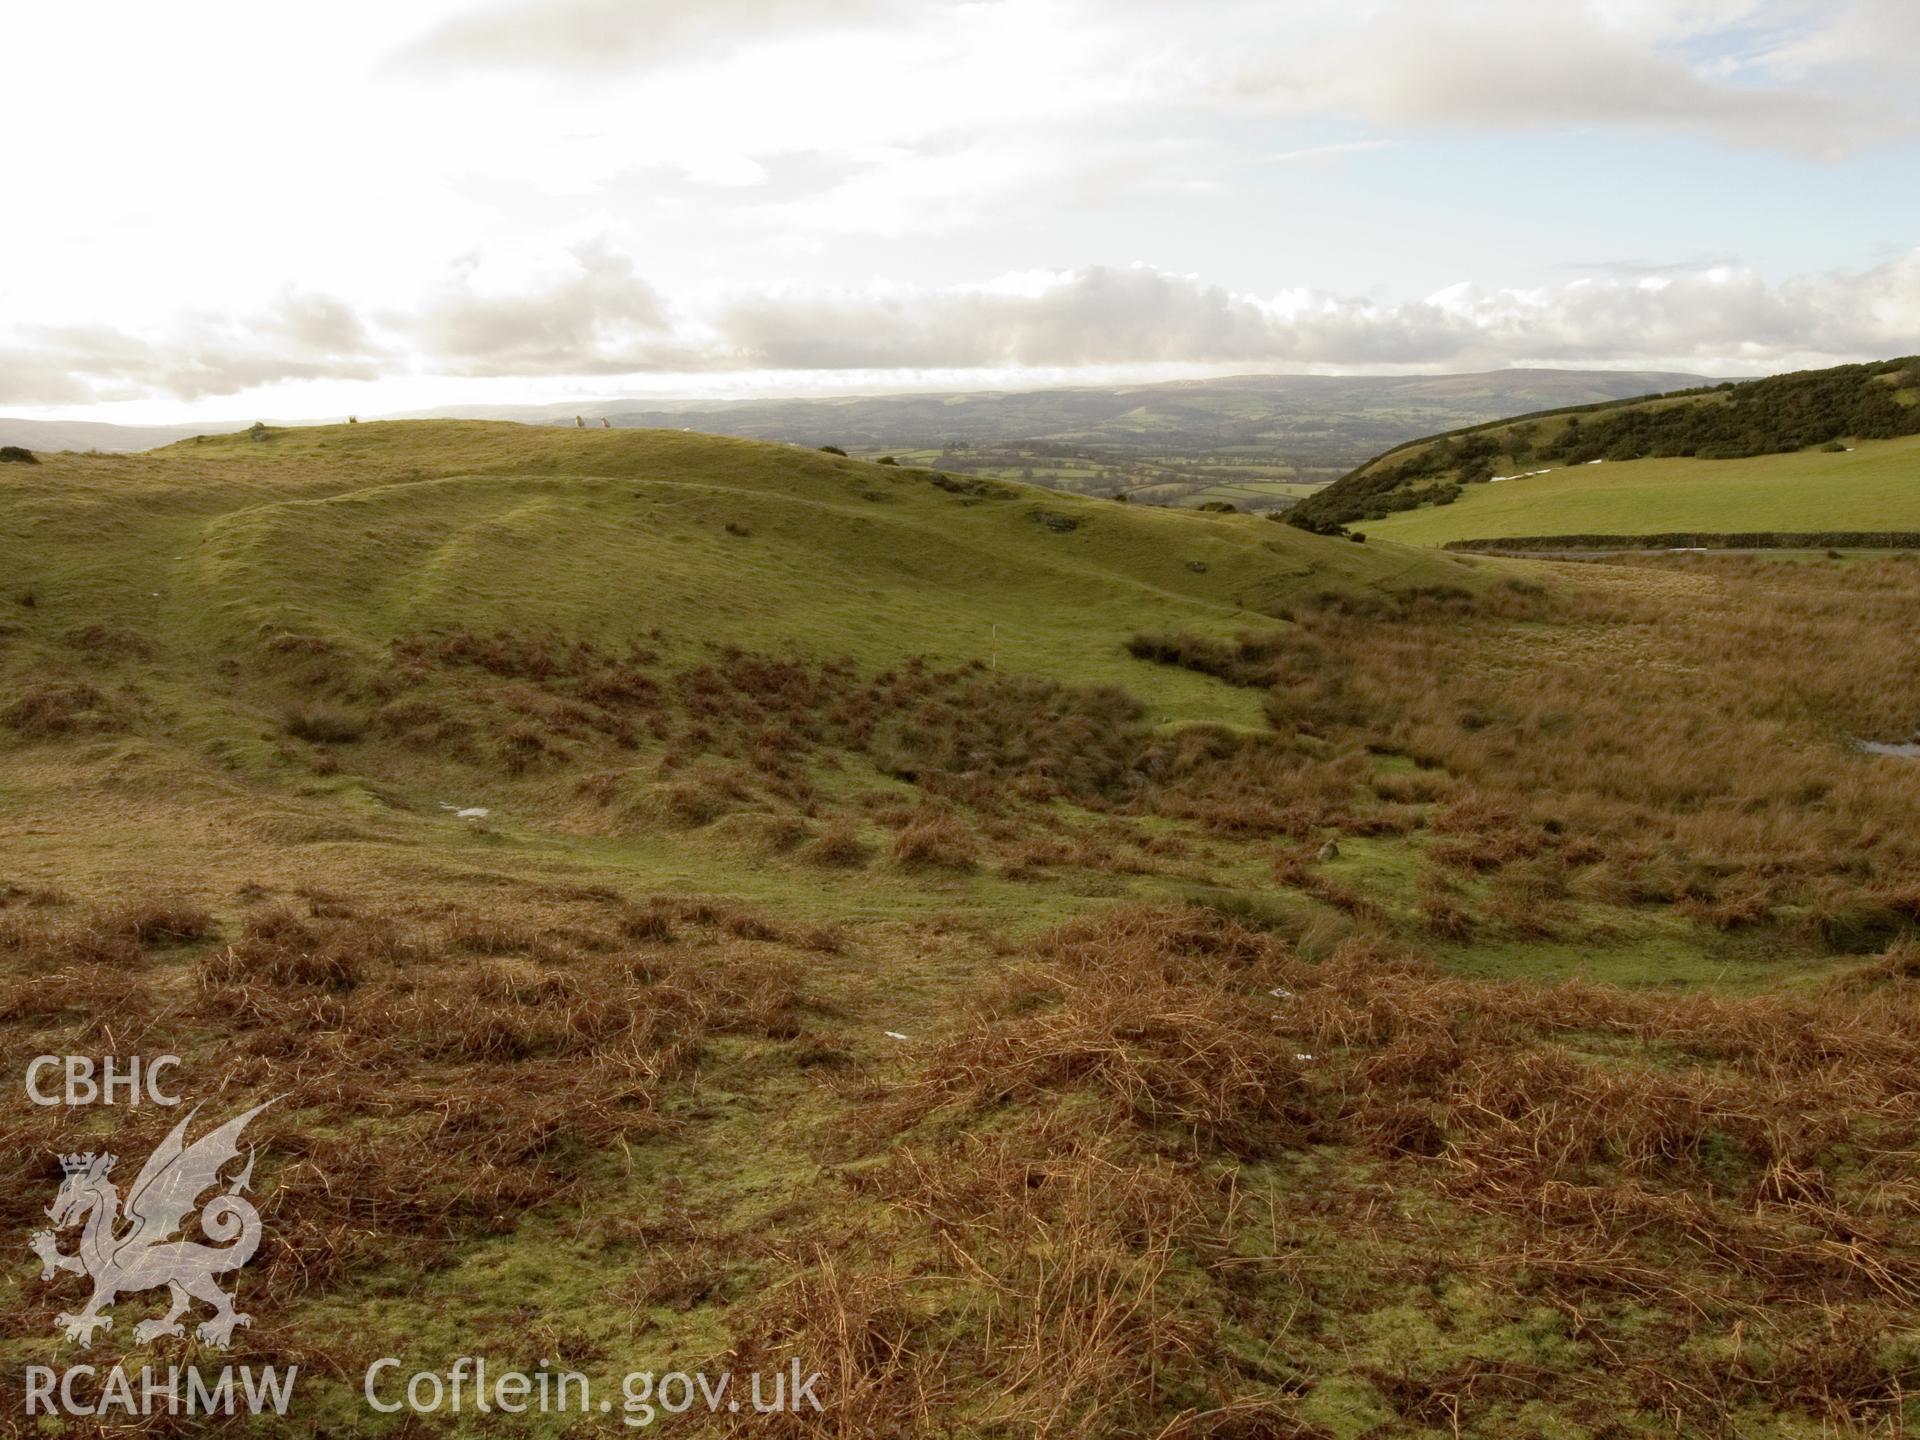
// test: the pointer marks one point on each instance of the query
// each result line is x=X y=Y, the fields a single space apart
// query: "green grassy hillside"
x=1875 y=486
x=210 y=589
x=361 y=532
x=1718 y=431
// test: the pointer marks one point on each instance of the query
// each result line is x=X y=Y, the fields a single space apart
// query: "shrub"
x=833 y=450
x=17 y=455
x=1250 y=660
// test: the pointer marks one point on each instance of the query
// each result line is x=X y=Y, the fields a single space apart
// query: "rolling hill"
x=364 y=532
x=1816 y=451
x=199 y=600
x=1259 y=442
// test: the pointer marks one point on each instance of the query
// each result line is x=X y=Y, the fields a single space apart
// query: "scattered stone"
x=1330 y=850
x=1898 y=749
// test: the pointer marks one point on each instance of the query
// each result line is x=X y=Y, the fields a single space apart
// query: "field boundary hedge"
x=1708 y=540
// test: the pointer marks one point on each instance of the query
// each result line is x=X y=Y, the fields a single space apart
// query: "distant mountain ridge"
x=101 y=435
x=1317 y=422
x=1313 y=414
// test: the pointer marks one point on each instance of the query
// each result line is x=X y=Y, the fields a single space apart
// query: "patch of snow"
x=893 y=1035
x=473 y=812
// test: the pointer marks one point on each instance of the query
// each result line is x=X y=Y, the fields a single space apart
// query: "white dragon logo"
x=145 y=1246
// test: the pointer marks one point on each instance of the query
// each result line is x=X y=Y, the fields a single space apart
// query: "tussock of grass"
x=113 y=936
x=324 y=724
x=1166 y=1048
x=164 y=922
x=42 y=711
x=935 y=840
x=838 y=846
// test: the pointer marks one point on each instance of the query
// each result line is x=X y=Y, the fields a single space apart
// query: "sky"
x=237 y=210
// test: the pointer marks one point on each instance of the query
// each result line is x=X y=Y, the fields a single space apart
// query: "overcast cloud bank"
x=604 y=320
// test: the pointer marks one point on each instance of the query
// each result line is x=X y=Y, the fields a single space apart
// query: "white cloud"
x=1720 y=317
x=1805 y=76
x=1799 y=78
x=596 y=316
x=601 y=319
x=1094 y=316
x=600 y=35
x=301 y=337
